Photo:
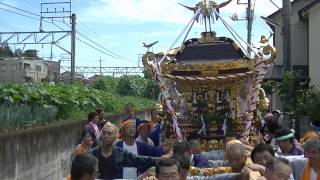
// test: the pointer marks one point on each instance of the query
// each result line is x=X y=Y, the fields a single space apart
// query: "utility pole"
x=249 y=27
x=100 y=67
x=286 y=34
x=286 y=40
x=73 y=46
x=248 y=18
x=51 y=53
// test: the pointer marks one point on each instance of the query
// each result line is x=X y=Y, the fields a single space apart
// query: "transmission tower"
x=50 y=12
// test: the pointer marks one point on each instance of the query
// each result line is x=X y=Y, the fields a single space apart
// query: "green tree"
x=32 y=53
x=108 y=84
x=152 y=90
x=5 y=51
x=132 y=85
x=296 y=93
x=147 y=74
x=313 y=111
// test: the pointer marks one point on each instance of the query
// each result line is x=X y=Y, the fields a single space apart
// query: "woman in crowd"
x=92 y=128
x=85 y=145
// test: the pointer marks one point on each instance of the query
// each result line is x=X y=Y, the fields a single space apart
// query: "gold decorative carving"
x=146 y=58
x=268 y=50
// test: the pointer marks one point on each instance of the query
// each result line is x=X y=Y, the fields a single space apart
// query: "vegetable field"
x=29 y=105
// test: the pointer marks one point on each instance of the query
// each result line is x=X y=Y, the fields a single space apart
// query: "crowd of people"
x=134 y=151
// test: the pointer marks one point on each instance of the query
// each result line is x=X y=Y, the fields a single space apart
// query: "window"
x=38 y=68
x=26 y=66
x=28 y=79
x=2 y=66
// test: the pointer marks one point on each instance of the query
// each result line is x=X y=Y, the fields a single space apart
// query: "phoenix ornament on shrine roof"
x=207 y=8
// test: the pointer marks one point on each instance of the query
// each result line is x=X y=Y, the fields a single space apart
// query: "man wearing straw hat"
x=144 y=129
x=128 y=143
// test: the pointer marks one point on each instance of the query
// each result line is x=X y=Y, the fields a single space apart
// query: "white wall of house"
x=19 y=70
x=314 y=46
x=305 y=40
x=299 y=37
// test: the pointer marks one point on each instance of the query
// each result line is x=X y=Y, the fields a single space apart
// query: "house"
x=27 y=70
x=305 y=38
x=92 y=79
x=53 y=71
x=66 y=77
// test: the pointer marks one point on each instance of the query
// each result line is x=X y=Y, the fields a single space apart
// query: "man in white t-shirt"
x=127 y=142
x=129 y=131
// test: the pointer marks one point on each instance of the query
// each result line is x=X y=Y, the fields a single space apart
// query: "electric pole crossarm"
x=64 y=36
x=27 y=38
x=13 y=35
x=26 y=43
x=44 y=37
x=50 y=3
x=107 y=70
x=62 y=48
x=34 y=32
x=33 y=37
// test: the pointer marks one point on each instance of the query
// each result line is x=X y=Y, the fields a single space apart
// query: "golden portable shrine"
x=210 y=85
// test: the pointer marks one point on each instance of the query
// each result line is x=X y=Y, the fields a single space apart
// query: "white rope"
x=188 y=30
x=235 y=38
x=203 y=128
x=228 y=26
x=157 y=76
x=224 y=127
x=231 y=29
x=191 y=20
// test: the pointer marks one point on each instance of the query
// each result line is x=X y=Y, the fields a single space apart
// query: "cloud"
x=163 y=11
x=136 y=11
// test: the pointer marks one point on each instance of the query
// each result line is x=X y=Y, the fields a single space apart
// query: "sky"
x=121 y=26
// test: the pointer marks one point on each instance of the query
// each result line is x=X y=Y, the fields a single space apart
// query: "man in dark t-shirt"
x=112 y=159
x=105 y=165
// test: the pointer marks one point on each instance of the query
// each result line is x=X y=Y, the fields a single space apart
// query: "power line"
x=37 y=5
x=89 y=32
x=119 y=56
x=91 y=45
x=84 y=36
x=25 y=12
x=274 y=4
x=19 y=9
x=84 y=28
x=122 y=57
x=95 y=48
x=116 y=56
x=18 y=13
